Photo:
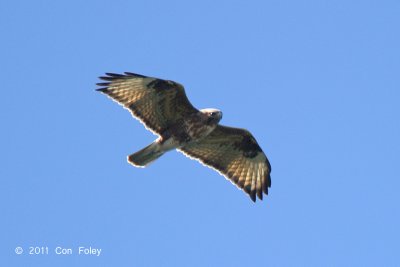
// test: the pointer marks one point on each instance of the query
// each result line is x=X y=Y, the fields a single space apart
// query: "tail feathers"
x=144 y=157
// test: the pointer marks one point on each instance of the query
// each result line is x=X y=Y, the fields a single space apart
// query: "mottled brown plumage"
x=163 y=107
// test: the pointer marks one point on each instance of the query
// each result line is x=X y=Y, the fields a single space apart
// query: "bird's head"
x=213 y=115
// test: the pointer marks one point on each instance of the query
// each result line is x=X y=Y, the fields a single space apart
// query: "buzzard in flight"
x=163 y=107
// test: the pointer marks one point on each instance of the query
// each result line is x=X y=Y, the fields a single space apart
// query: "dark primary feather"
x=134 y=74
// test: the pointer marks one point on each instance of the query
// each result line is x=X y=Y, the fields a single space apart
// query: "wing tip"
x=110 y=76
x=266 y=183
x=131 y=74
x=260 y=194
x=102 y=90
x=250 y=191
x=103 y=84
x=253 y=197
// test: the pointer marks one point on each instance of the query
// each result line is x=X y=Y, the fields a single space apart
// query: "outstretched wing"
x=235 y=154
x=156 y=103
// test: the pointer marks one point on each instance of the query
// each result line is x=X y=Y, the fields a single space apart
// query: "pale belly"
x=168 y=144
x=193 y=135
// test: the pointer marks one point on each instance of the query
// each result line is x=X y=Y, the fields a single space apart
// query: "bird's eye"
x=212 y=113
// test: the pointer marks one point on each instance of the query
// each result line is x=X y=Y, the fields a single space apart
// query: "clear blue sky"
x=316 y=82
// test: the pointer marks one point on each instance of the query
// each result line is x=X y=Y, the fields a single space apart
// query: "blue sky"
x=316 y=82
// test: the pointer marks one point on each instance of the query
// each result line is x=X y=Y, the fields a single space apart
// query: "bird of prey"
x=163 y=107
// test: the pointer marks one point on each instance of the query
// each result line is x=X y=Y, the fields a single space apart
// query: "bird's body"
x=162 y=106
x=191 y=129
